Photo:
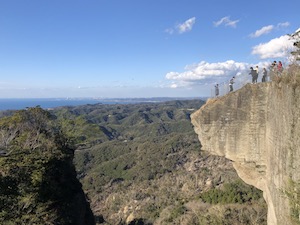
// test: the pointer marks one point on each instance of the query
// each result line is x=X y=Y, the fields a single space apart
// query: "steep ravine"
x=258 y=128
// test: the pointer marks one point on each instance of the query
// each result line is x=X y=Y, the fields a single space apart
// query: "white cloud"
x=205 y=72
x=226 y=21
x=232 y=23
x=285 y=24
x=276 y=48
x=262 y=31
x=182 y=27
x=186 y=26
x=268 y=29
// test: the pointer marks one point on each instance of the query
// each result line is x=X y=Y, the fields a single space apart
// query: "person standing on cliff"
x=256 y=73
x=264 y=77
x=273 y=70
x=217 y=90
x=253 y=74
x=231 y=82
x=279 y=68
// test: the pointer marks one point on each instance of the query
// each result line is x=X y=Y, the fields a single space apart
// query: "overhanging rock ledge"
x=258 y=128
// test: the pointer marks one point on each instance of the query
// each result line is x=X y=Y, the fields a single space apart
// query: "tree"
x=296 y=38
x=38 y=183
x=26 y=129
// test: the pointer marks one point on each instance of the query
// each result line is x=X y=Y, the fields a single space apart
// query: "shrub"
x=236 y=192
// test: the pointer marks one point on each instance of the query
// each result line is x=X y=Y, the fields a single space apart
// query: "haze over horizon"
x=134 y=48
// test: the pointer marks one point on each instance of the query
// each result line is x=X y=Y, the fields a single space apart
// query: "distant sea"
x=47 y=103
x=13 y=104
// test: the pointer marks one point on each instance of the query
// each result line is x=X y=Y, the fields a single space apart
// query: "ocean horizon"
x=49 y=103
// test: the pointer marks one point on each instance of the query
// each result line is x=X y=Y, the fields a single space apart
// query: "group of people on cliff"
x=275 y=70
x=231 y=82
x=255 y=72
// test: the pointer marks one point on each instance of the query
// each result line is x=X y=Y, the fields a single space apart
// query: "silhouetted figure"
x=217 y=90
x=231 y=82
x=265 y=74
x=257 y=72
x=254 y=75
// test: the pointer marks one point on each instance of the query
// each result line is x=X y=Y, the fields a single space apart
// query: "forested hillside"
x=141 y=164
x=38 y=182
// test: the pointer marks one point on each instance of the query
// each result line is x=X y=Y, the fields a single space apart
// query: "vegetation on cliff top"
x=38 y=183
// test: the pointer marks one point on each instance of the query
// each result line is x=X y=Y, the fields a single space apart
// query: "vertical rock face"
x=258 y=128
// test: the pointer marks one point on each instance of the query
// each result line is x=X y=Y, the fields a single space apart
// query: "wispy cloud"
x=186 y=26
x=226 y=21
x=267 y=29
x=262 y=31
x=169 y=30
x=276 y=48
x=182 y=27
x=285 y=24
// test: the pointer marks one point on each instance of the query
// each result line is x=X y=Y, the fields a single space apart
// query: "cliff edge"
x=258 y=128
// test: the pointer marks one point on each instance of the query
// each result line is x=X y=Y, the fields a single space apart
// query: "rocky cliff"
x=258 y=128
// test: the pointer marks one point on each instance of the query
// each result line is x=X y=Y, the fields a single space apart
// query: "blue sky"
x=137 y=48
